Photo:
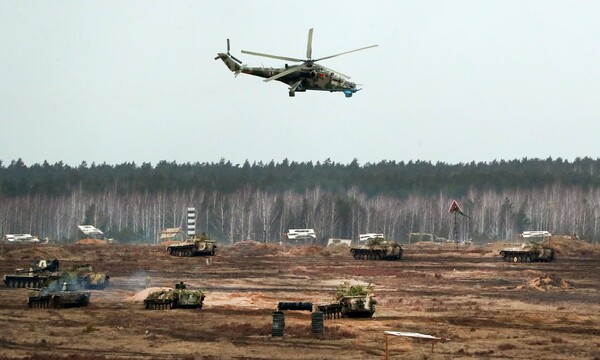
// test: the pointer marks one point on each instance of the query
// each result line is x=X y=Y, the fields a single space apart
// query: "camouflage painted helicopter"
x=306 y=76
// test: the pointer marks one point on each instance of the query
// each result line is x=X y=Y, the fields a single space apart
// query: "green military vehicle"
x=377 y=249
x=528 y=252
x=350 y=301
x=58 y=296
x=85 y=277
x=38 y=272
x=192 y=246
x=180 y=297
x=42 y=272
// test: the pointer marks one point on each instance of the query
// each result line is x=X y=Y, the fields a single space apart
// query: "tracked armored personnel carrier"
x=180 y=297
x=377 y=249
x=350 y=301
x=85 y=277
x=195 y=245
x=528 y=252
x=66 y=296
x=38 y=272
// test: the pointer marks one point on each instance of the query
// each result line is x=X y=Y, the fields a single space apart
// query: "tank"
x=350 y=301
x=58 y=296
x=377 y=249
x=192 y=246
x=180 y=297
x=528 y=252
x=85 y=277
x=38 y=272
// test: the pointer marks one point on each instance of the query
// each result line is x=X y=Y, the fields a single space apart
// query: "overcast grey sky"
x=451 y=81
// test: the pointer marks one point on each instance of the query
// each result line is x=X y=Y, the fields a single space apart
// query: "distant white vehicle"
x=295 y=234
x=91 y=231
x=537 y=234
x=369 y=236
x=21 y=238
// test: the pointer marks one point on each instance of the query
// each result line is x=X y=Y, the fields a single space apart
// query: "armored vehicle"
x=377 y=249
x=195 y=245
x=85 y=276
x=57 y=296
x=38 y=273
x=350 y=301
x=528 y=252
x=180 y=297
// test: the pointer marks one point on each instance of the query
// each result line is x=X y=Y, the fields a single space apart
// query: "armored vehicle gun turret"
x=377 y=249
x=195 y=245
x=85 y=277
x=528 y=252
x=350 y=301
x=180 y=297
x=58 y=296
x=38 y=272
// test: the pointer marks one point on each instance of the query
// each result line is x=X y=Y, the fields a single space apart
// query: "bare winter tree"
x=267 y=211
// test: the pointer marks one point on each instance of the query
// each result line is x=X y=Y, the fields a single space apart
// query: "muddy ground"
x=488 y=309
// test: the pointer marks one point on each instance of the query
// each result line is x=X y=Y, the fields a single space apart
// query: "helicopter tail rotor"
x=233 y=63
x=233 y=57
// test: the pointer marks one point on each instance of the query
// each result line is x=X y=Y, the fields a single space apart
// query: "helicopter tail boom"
x=229 y=62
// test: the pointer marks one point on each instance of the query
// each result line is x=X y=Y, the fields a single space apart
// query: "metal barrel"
x=317 y=320
x=278 y=323
x=306 y=306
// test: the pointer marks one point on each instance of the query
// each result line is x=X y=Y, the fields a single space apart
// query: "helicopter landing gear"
x=292 y=93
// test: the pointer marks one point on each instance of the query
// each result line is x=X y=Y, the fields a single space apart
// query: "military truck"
x=192 y=246
x=180 y=297
x=58 y=296
x=377 y=249
x=350 y=301
x=38 y=273
x=85 y=277
x=528 y=252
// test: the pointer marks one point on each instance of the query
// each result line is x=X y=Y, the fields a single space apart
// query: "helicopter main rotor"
x=308 y=62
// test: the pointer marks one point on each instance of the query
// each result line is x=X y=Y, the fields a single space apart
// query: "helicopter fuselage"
x=313 y=78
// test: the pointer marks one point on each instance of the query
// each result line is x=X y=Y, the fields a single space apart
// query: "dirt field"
x=488 y=309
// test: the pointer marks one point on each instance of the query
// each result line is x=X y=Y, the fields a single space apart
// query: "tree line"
x=261 y=201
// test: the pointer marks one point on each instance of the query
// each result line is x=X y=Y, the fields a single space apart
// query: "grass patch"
x=89 y=329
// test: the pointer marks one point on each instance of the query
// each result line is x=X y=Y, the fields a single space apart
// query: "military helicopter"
x=306 y=76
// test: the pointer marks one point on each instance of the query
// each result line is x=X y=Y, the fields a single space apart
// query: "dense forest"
x=260 y=201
